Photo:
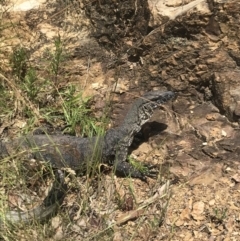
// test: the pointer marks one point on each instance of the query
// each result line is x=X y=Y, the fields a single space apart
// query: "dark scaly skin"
x=78 y=153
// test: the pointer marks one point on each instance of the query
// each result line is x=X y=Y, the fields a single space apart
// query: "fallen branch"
x=161 y=193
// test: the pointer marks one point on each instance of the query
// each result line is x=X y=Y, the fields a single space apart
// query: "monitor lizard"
x=78 y=153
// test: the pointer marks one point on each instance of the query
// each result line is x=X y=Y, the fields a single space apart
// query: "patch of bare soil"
x=130 y=47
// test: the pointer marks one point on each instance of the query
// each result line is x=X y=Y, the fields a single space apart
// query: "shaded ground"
x=125 y=48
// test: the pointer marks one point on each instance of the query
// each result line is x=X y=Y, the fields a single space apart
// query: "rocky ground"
x=128 y=48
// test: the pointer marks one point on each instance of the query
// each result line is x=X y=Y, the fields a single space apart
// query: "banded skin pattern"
x=80 y=153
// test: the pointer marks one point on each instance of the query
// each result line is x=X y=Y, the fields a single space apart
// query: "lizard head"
x=142 y=109
x=150 y=101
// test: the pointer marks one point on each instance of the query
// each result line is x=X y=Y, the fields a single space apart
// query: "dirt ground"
x=128 y=48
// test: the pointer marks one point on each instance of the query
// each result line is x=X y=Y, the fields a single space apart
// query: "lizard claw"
x=125 y=169
x=150 y=171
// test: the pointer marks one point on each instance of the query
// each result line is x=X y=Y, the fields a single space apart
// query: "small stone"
x=211 y=202
x=211 y=117
x=224 y=133
x=228 y=169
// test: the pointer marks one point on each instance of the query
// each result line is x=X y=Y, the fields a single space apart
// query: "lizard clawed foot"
x=150 y=170
x=126 y=169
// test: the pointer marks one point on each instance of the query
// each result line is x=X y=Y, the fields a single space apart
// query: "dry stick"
x=161 y=192
x=21 y=97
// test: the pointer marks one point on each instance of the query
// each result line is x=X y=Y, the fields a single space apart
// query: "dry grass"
x=36 y=90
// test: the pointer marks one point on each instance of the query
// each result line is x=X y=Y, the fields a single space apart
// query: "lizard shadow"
x=148 y=130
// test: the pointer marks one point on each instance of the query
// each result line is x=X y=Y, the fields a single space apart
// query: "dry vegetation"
x=36 y=92
x=60 y=61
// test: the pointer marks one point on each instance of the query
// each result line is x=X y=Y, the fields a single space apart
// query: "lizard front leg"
x=124 y=168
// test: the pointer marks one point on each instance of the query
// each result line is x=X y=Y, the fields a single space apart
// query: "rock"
x=227 y=92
